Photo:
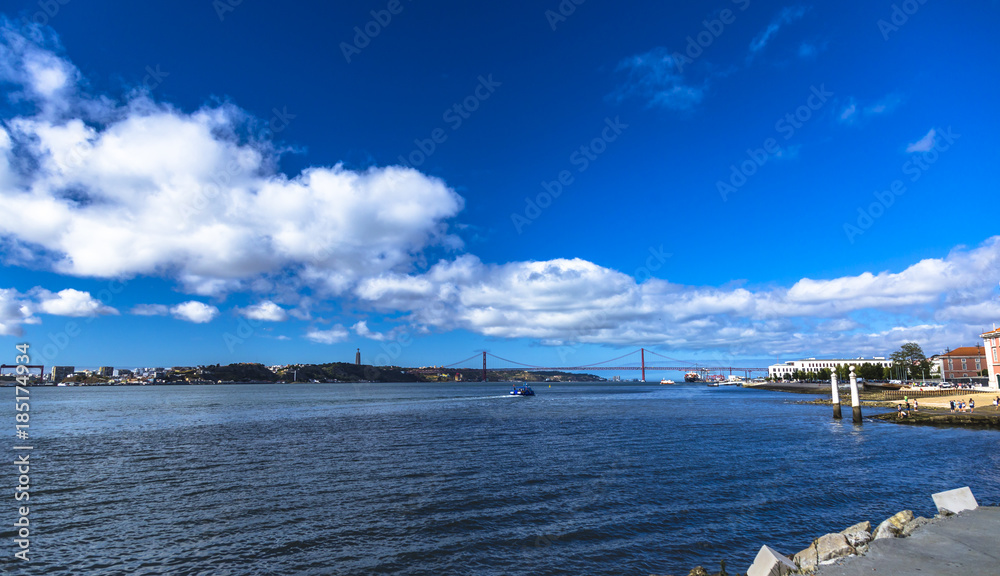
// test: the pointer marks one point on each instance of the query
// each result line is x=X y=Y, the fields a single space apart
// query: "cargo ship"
x=692 y=377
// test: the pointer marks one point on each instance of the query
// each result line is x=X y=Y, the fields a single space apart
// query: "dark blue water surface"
x=459 y=478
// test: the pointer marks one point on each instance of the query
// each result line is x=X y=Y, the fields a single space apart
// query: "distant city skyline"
x=198 y=183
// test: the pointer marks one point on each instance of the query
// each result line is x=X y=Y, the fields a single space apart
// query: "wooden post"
x=835 y=394
x=855 y=401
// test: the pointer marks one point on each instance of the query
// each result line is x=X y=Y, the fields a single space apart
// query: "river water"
x=459 y=478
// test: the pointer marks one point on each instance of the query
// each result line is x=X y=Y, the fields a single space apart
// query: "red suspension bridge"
x=635 y=360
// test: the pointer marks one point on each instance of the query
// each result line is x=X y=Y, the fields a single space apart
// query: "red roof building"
x=964 y=362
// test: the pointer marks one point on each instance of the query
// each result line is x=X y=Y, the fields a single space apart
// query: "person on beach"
x=952 y=402
x=972 y=405
x=996 y=404
x=899 y=410
x=916 y=405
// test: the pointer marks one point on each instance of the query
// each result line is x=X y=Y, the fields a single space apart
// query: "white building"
x=817 y=364
x=992 y=340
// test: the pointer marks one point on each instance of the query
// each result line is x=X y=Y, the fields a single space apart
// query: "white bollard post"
x=835 y=393
x=855 y=401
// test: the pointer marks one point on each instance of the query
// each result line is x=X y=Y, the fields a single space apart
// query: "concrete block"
x=770 y=563
x=955 y=500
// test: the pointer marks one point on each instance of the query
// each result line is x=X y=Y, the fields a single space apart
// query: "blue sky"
x=197 y=182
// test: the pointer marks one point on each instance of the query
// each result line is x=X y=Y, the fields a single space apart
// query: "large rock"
x=770 y=563
x=807 y=560
x=698 y=571
x=832 y=546
x=955 y=500
x=858 y=534
x=893 y=526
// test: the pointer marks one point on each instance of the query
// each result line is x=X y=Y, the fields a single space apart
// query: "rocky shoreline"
x=940 y=417
x=835 y=549
x=852 y=541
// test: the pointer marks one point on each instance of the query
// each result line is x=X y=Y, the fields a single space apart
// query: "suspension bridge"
x=635 y=360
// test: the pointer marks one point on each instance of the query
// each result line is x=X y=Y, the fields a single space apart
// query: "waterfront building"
x=992 y=351
x=962 y=362
x=817 y=364
x=106 y=371
x=60 y=373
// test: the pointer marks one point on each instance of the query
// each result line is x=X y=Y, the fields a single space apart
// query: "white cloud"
x=854 y=113
x=848 y=114
x=884 y=106
x=141 y=188
x=361 y=329
x=45 y=79
x=70 y=302
x=150 y=310
x=14 y=313
x=266 y=311
x=656 y=78
x=924 y=144
x=18 y=309
x=786 y=16
x=194 y=311
x=578 y=301
x=332 y=336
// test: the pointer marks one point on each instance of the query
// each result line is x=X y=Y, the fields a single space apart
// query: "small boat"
x=666 y=381
x=522 y=390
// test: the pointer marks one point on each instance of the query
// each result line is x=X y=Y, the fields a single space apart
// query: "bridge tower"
x=642 y=355
x=484 y=366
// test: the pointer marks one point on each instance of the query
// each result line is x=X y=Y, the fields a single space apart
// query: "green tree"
x=843 y=373
x=911 y=356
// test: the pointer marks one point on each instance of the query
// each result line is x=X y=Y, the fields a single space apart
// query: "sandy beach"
x=984 y=401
